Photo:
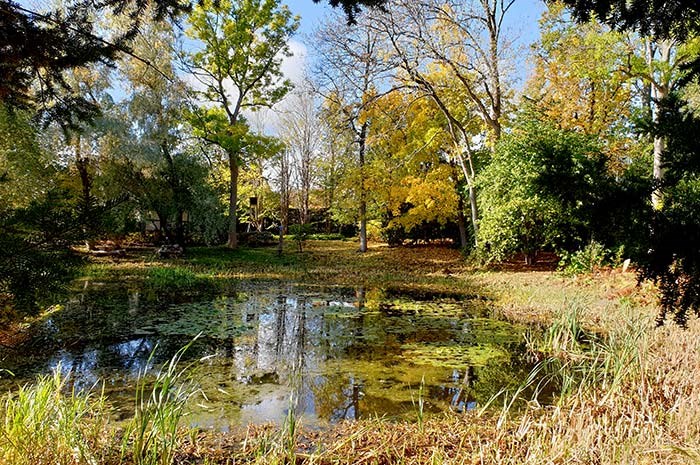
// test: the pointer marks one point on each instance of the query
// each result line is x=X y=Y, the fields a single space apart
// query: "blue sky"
x=523 y=15
x=521 y=24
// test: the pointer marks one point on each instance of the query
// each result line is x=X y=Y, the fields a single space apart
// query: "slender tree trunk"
x=647 y=89
x=164 y=227
x=233 y=200
x=305 y=215
x=180 y=228
x=82 y=164
x=285 y=175
x=474 y=211
x=660 y=91
x=363 y=196
x=462 y=224
x=469 y=175
x=657 y=193
x=284 y=212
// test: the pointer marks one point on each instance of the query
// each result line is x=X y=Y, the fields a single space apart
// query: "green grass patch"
x=175 y=278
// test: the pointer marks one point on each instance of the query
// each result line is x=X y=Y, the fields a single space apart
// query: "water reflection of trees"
x=334 y=356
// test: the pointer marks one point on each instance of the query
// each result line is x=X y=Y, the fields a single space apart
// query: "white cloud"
x=294 y=67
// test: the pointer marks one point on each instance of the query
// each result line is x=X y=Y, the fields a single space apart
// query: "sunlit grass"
x=152 y=436
x=47 y=423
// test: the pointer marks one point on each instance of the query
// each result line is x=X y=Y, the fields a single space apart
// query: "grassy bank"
x=631 y=391
x=330 y=263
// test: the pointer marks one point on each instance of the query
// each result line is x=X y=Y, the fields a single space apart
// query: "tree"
x=38 y=218
x=411 y=180
x=453 y=52
x=579 y=79
x=239 y=68
x=662 y=68
x=156 y=106
x=299 y=130
x=335 y=164
x=282 y=166
x=660 y=19
x=672 y=255
x=40 y=46
x=349 y=77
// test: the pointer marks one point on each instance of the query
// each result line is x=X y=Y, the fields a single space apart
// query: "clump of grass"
x=174 y=278
x=419 y=405
x=565 y=335
x=152 y=437
x=42 y=424
x=47 y=424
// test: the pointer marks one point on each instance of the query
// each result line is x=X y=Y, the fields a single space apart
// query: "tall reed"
x=152 y=436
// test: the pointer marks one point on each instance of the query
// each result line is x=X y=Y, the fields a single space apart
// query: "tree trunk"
x=657 y=194
x=82 y=164
x=461 y=224
x=469 y=176
x=660 y=91
x=233 y=200
x=180 y=228
x=475 y=213
x=363 y=201
x=163 y=228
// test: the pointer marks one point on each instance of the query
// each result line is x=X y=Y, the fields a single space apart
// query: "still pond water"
x=339 y=353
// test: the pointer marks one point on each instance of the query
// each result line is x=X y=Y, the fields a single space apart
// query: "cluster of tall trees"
x=412 y=125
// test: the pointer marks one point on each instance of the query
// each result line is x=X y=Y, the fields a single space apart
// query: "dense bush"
x=35 y=259
x=539 y=191
x=550 y=188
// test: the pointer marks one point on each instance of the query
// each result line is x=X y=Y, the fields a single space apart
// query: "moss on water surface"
x=263 y=340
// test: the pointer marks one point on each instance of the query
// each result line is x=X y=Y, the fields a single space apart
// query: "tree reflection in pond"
x=329 y=354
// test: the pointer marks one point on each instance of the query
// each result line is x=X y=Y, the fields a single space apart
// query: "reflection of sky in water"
x=333 y=358
x=91 y=367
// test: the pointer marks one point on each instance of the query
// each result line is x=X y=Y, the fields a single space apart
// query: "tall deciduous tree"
x=454 y=52
x=579 y=79
x=412 y=181
x=155 y=107
x=300 y=131
x=238 y=68
x=351 y=73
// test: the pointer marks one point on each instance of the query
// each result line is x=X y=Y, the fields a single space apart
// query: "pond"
x=266 y=347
